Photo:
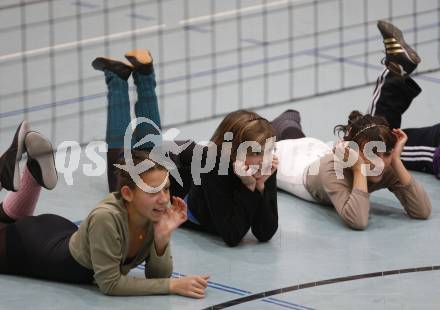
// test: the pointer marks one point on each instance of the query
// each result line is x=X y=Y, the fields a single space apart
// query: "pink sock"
x=22 y=203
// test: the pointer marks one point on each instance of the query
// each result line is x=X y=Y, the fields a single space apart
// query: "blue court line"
x=139 y=16
x=225 y=290
x=307 y=52
x=280 y=304
x=210 y=283
x=197 y=28
x=233 y=290
x=255 y=42
x=289 y=303
x=363 y=64
x=55 y=104
x=242 y=292
x=85 y=4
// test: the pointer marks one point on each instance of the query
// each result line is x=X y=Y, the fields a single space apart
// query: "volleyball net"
x=211 y=57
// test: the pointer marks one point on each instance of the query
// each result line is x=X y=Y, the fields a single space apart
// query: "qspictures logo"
x=205 y=155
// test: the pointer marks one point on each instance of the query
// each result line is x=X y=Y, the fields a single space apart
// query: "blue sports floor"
x=314 y=261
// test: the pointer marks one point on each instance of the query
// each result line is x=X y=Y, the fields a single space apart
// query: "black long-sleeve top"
x=225 y=207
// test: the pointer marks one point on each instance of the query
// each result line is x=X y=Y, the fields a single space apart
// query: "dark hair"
x=245 y=126
x=123 y=178
x=365 y=128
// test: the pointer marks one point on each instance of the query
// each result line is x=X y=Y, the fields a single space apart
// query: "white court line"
x=247 y=9
x=195 y=20
x=75 y=44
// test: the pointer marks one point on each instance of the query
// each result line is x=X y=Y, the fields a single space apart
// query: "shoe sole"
x=40 y=149
x=21 y=131
x=120 y=68
x=396 y=33
x=18 y=145
x=101 y=63
x=141 y=60
x=134 y=60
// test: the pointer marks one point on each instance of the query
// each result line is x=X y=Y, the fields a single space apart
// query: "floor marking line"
x=85 y=4
x=247 y=9
x=218 y=284
x=230 y=289
x=289 y=303
x=75 y=44
x=297 y=287
x=307 y=52
x=280 y=304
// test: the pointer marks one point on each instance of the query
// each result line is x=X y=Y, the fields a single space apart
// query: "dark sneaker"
x=9 y=162
x=141 y=60
x=120 y=68
x=41 y=161
x=397 y=50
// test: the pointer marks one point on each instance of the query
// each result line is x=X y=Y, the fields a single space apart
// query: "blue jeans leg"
x=118 y=110
x=147 y=106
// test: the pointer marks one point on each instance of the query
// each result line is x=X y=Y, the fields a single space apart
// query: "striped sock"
x=20 y=204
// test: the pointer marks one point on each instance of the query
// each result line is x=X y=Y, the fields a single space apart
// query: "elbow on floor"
x=232 y=242
x=108 y=292
x=108 y=289
x=359 y=224
x=423 y=214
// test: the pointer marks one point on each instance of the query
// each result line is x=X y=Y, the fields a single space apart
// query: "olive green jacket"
x=101 y=244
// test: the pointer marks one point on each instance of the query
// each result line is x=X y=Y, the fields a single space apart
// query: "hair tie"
x=368 y=127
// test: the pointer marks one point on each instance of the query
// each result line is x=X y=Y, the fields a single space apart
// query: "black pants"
x=38 y=247
x=391 y=98
x=287 y=126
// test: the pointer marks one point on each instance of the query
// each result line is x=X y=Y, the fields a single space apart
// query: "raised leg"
x=393 y=96
x=118 y=110
x=288 y=125
x=146 y=105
